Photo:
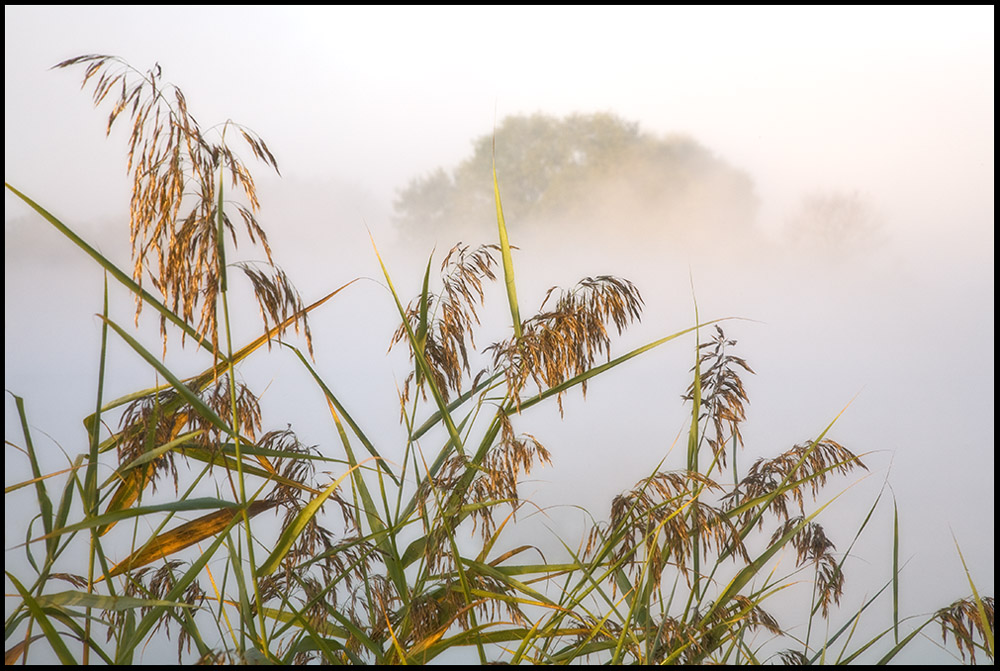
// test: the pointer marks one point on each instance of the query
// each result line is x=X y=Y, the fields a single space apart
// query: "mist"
x=866 y=116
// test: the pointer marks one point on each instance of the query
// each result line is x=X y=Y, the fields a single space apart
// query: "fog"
x=887 y=110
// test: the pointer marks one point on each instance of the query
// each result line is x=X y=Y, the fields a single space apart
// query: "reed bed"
x=376 y=562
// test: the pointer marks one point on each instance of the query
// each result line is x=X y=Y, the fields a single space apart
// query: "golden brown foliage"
x=564 y=340
x=659 y=521
x=963 y=621
x=176 y=226
x=443 y=322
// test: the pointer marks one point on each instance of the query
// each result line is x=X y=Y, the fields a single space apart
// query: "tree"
x=834 y=222
x=584 y=171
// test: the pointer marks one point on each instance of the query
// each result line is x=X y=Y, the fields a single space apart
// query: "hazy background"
x=894 y=107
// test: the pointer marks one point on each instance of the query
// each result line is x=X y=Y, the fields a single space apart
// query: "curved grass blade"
x=225 y=458
x=207 y=376
x=44 y=502
x=895 y=571
x=104 y=602
x=200 y=406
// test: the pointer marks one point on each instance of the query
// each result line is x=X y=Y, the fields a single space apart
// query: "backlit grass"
x=419 y=559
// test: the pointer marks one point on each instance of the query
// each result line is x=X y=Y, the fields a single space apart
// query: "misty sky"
x=895 y=104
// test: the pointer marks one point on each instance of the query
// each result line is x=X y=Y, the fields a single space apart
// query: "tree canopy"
x=582 y=170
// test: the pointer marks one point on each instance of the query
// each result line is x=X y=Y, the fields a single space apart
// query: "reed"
x=381 y=563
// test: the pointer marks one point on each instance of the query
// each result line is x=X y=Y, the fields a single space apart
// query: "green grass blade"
x=212 y=373
x=386 y=541
x=293 y=530
x=164 y=544
x=692 y=456
x=183 y=505
x=422 y=326
x=435 y=419
x=220 y=236
x=899 y=646
x=332 y=398
x=895 y=571
x=41 y=493
x=175 y=382
x=115 y=272
x=93 y=428
x=38 y=613
x=104 y=602
x=508 y=261
x=597 y=370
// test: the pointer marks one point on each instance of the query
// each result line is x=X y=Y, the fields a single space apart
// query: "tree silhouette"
x=834 y=222
x=576 y=170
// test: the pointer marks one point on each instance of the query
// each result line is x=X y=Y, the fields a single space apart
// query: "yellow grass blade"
x=987 y=629
x=508 y=261
x=163 y=545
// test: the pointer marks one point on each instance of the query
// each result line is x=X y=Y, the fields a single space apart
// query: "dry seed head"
x=380 y=600
x=722 y=393
x=564 y=340
x=277 y=298
x=176 y=174
x=962 y=620
x=673 y=634
x=812 y=546
x=219 y=399
x=160 y=417
x=150 y=583
x=449 y=334
x=501 y=471
x=765 y=476
x=147 y=423
x=655 y=523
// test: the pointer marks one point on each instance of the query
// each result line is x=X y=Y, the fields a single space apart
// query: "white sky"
x=889 y=100
x=894 y=102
